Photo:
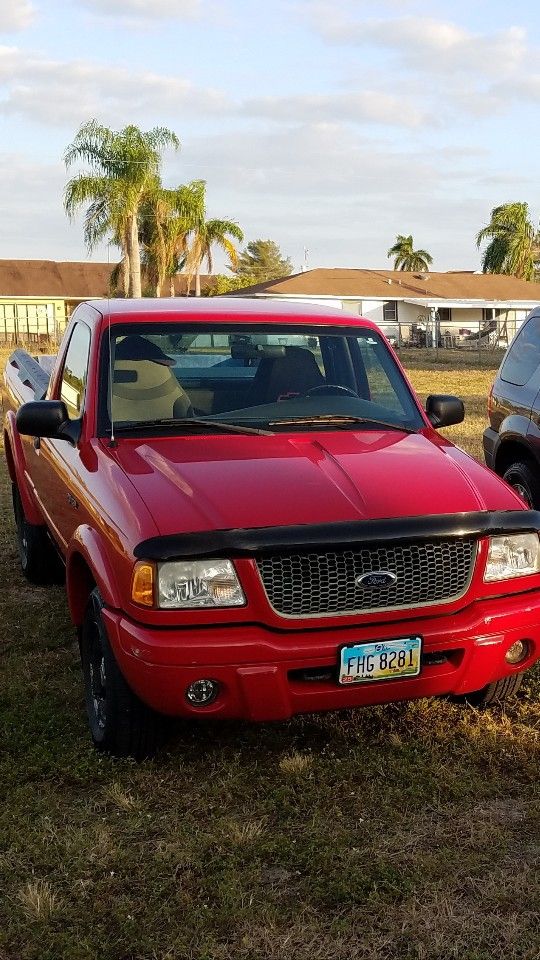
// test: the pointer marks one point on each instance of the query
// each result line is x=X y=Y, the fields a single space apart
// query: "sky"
x=329 y=127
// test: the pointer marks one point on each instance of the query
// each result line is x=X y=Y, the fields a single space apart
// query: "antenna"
x=306 y=255
x=110 y=385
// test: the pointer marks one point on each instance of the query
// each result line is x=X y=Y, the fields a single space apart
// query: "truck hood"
x=234 y=481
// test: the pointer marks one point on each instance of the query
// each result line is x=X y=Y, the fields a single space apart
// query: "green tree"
x=406 y=257
x=124 y=171
x=167 y=218
x=513 y=243
x=221 y=284
x=262 y=260
x=206 y=235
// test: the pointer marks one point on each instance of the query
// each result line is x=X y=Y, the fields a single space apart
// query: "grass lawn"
x=409 y=831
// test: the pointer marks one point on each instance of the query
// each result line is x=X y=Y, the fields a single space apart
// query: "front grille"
x=311 y=584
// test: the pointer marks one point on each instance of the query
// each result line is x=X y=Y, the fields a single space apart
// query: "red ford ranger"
x=257 y=518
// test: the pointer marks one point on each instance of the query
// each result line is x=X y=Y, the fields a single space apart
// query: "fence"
x=488 y=339
x=32 y=324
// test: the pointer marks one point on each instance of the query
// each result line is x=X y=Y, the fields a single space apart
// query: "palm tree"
x=406 y=258
x=207 y=234
x=514 y=244
x=166 y=220
x=124 y=169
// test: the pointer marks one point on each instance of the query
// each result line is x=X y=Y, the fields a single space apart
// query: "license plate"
x=380 y=660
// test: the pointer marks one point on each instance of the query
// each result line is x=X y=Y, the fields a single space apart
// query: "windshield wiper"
x=189 y=422
x=338 y=421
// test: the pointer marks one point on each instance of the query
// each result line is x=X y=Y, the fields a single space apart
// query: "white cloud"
x=522 y=88
x=16 y=15
x=426 y=44
x=146 y=9
x=367 y=106
x=65 y=94
x=342 y=195
x=68 y=93
x=33 y=223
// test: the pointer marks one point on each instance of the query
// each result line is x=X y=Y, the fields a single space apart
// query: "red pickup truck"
x=257 y=518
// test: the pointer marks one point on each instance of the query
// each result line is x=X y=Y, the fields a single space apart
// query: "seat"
x=289 y=374
x=146 y=390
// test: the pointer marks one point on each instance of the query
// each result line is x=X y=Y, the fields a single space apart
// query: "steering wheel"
x=328 y=388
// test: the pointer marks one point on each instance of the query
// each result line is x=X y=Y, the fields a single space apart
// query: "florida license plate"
x=380 y=660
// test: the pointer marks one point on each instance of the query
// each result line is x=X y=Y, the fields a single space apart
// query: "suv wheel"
x=525 y=482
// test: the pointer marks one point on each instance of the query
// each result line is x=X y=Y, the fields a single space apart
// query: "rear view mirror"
x=443 y=410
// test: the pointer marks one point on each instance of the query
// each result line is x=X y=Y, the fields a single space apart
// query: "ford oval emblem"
x=377 y=578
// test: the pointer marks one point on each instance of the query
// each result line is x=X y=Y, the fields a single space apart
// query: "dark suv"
x=512 y=440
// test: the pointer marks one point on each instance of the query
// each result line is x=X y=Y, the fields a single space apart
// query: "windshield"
x=279 y=377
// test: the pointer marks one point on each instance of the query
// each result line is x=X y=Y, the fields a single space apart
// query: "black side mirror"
x=47 y=418
x=443 y=410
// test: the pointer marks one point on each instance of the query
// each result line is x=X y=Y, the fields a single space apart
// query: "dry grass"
x=473 y=386
x=38 y=900
x=407 y=832
x=296 y=764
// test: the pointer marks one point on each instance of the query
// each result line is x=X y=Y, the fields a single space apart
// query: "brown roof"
x=67 y=280
x=398 y=285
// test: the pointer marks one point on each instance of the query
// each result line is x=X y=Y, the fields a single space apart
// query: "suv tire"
x=524 y=479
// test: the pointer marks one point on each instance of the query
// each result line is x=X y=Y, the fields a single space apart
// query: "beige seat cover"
x=152 y=395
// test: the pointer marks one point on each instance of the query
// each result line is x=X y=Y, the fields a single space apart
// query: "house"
x=408 y=306
x=38 y=296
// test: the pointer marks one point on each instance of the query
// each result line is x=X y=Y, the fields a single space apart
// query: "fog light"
x=518 y=652
x=202 y=693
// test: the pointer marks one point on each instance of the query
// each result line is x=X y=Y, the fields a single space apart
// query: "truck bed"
x=26 y=377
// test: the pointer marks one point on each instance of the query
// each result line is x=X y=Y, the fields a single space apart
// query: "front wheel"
x=525 y=481
x=493 y=693
x=120 y=723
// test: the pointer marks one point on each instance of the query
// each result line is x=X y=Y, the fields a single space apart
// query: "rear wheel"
x=120 y=723
x=497 y=692
x=523 y=477
x=40 y=562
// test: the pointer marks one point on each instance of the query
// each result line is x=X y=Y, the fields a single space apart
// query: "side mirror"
x=47 y=418
x=443 y=410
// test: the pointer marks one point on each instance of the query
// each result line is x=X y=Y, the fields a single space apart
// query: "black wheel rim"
x=523 y=491
x=97 y=682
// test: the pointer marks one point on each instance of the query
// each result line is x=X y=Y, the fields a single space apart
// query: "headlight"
x=198 y=583
x=517 y=555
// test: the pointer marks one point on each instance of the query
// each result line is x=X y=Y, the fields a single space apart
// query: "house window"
x=444 y=314
x=390 y=311
x=488 y=314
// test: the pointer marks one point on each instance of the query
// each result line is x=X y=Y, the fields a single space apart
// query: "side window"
x=75 y=370
x=524 y=355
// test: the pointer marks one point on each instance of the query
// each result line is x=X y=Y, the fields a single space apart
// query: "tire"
x=120 y=723
x=497 y=692
x=40 y=562
x=523 y=477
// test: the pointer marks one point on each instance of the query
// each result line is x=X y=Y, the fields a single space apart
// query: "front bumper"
x=271 y=675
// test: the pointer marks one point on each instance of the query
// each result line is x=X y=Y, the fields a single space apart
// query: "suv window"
x=75 y=370
x=524 y=355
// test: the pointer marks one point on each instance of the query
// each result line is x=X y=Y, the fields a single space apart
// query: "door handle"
x=73 y=502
